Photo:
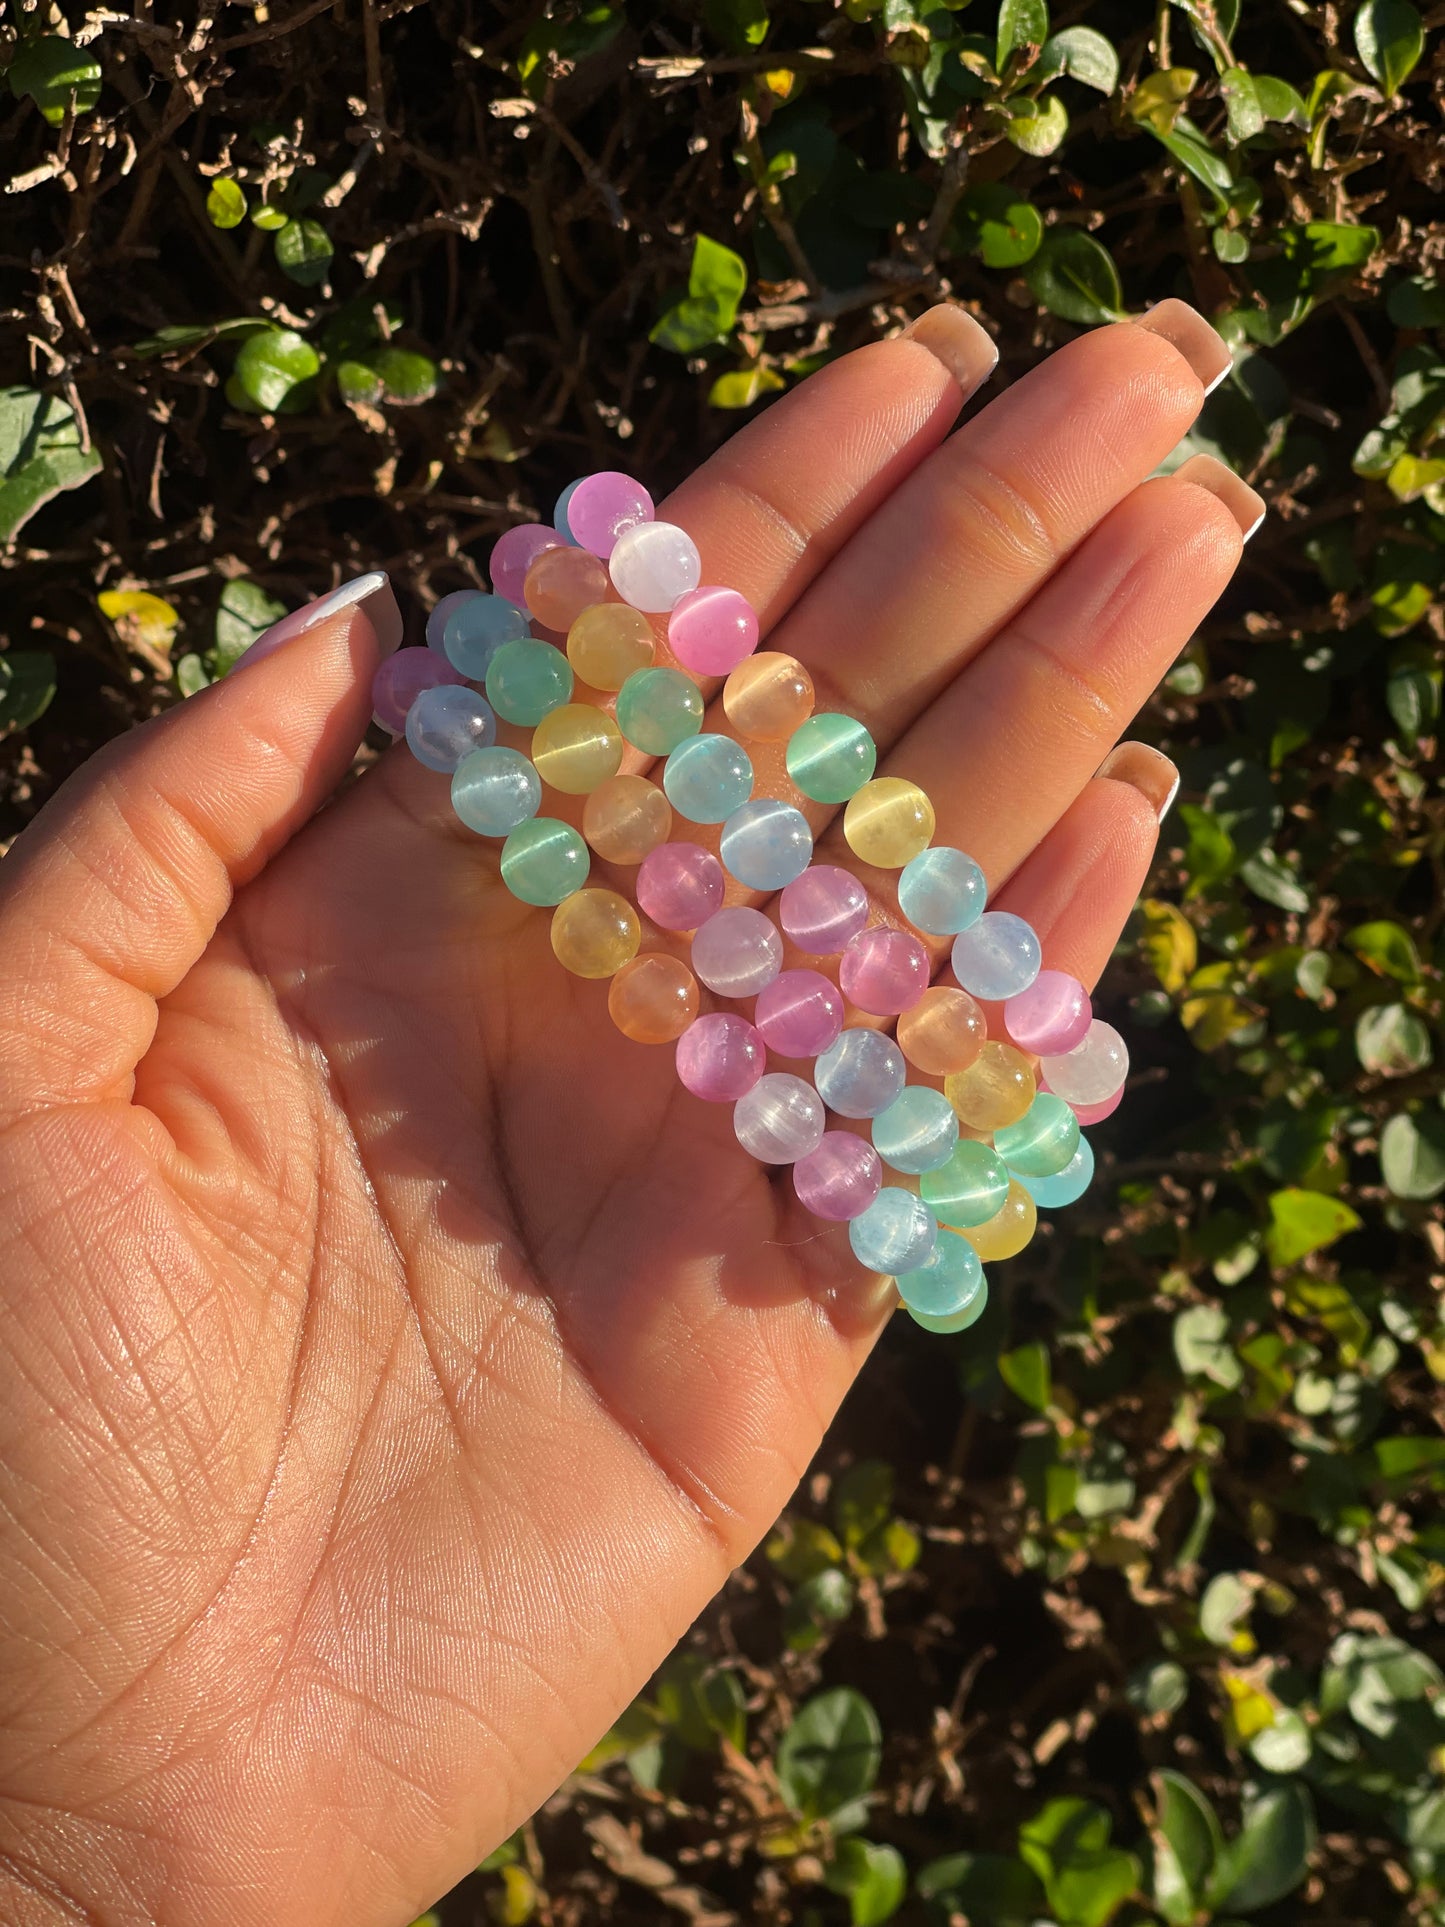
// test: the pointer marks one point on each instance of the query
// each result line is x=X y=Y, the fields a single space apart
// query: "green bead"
x=544 y=860
x=1043 y=1141
x=830 y=757
x=659 y=708
x=970 y=1189
x=527 y=680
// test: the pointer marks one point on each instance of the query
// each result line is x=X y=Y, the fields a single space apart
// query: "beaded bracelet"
x=996 y=1135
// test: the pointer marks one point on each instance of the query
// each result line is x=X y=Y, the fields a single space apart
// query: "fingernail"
x=1144 y=769
x=1243 y=503
x=963 y=345
x=371 y=592
x=1192 y=335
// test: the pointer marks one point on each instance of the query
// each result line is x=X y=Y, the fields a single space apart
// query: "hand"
x=396 y=1358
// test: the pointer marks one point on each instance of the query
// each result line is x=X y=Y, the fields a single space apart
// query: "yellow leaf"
x=1169 y=943
x=1250 y=1709
x=1157 y=101
x=517 y=1901
x=780 y=81
x=142 y=621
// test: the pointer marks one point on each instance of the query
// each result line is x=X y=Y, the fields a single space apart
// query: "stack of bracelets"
x=996 y=1135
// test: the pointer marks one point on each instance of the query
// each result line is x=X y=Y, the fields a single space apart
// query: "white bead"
x=1093 y=1070
x=654 y=565
x=780 y=1120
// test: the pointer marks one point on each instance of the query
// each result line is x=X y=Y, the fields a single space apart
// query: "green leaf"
x=1389 y=38
x=1392 y=1039
x=269 y=219
x=1242 y=104
x=225 y=204
x=1084 y=55
x=1187 y=1843
x=862 y=1501
x=1279 y=101
x=272 y=366
x=828 y=1758
x=27 y=687
x=1085 y=1880
x=406 y=378
x=358 y=382
x=1169 y=944
x=195 y=334
x=1021 y=23
x=40 y=455
x=1072 y=276
x=1402 y=1458
x=1417 y=302
x=50 y=70
x=1161 y=1686
x=1412 y=1154
x=1271 y=1855
x=744 y=386
x=1224 y=1607
x=1284 y=1746
x=991 y=1888
x=1302 y=1222
x=191 y=674
x=872 y=1878
x=1041 y=132
x=1387 y=949
x=716 y=283
x=242 y=613
x=303 y=252
x=1202 y=1346
x=1270 y=877
x=995 y=222
x=1026 y=1373
x=1198 y=158
x=738 y=24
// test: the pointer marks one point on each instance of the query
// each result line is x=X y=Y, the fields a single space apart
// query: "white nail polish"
x=1254 y=525
x=1168 y=803
x=1224 y=372
x=308 y=617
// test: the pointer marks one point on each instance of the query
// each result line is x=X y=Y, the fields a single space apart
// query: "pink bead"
x=884 y=971
x=823 y=908
x=605 y=506
x=720 y=1057
x=401 y=679
x=679 y=885
x=711 y=630
x=840 y=1179
x=514 y=553
x=1051 y=1016
x=799 y=1013
x=1096 y=1113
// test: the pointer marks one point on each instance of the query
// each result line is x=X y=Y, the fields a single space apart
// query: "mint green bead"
x=708 y=777
x=527 y=680
x=917 y=1132
x=1043 y=1141
x=544 y=860
x=830 y=757
x=971 y=1188
x=946 y=1293
x=659 y=708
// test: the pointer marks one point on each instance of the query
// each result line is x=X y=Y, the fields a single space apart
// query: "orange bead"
x=561 y=583
x=609 y=642
x=653 y=999
x=625 y=818
x=996 y=1089
x=943 y=1032
x=767 y=696
x=1005 y=1234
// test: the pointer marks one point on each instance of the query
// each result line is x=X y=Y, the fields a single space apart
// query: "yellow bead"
x=1005 y=1234
x=767 y=696
x=595 y=932
x=576 y=747
x=608 y=643
x=653 y=999
x=996 y=1089
x=625 y=818
x=888 y=822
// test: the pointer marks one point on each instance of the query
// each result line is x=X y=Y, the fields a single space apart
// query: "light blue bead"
x=708 y=777
x=896 y=1233
x=917 y=1132
x=997 y=957
x=766 y=844
x=942 y=891
x=527 y=680
x=948 y=1293
x=1066 y=1186
x=861 y=1074
x=476 y=629
x=559 y=514
x=494 y=790
x=445 y=723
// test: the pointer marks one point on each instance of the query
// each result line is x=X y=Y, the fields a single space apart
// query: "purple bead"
x=737 y=952
x=711 y=630
x=884 y=971
x=840 y=1179
x=602 y=507
x=514 y=553
x=720 y=1057
x=823 y=909
x=401 y=679
x=1051 y=1016
x=679 y=885
x=799 y=1013
x=437 y=620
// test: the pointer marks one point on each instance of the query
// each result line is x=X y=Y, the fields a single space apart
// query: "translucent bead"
x=861 y=1074
x=767 y=696
x=997 y=957
x=495 y=789
x=1093 y=1070
x=830 y=757
x=1063 y=1187
x=824 y=909
x=436 y=621
x=948 y=1292
x=917 y=1132
x=720 y=1057
x=603 y=507
x=626 y=818
x=1006 y=1233
x=766 y=844
x=445 y=722
x=840 y=1179
x=737 y=951
x=527 y=679
x=711 y=630
x=608 y=643
x=544 y=860
x=1088 y=1114
x=995 y=1090
x=595 y=932
x=942 y=891
x=707 y=778
x=576 y=747
x=896 y=1233
x=887 y=822
x=475 y=629
x=780 y=1120
x=561 y=583
x=970 y=1188
x=653 y=999
x=800 y=1013
x=1051 y=1016
x=1043 y=1141
x=559 y=512
x=400 y=679
x=653 y=565
x=659 y=708
x=679 y=886
x=943 y=1032
x=884 y=971
x=514 y=553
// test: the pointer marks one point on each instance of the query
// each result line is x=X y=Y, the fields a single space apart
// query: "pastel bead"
x=474 y=629
x=559 y=511
x=514 y=553
x=653 y=565
x=942 y=891
x=445 y=723
x=525 y=680
x=707 y=778
x=595 y=932
x=861 y=1074
x=1094 y=1070
x=400 y=679
x=1051 y=1016
x=720 y=1057
x=737 y=951
x=1005 y=1234
x=824 y=909
x=679 y=886
x=544 y=860
x=947 y=1293
x=943 y=1032
x=561 y=583
x=768 y=696
x=896 y=1233
x=1064 y=1187
x=1088 y=1114
x=495 y=789
x=625 y=818
x=995 y=1090
x=800 y=1013
x=608 y=643
x=602 y=507
x=887 y=822
x=884 y=971
x=997 y=957
x=659 y=708
x=780 y=1119
x=436 y=621
x=917 y=1132
x=711 y=630
x=830 y=757
x=653 y=999
x=839 y=1180
x=766 y=844
x=1043 y=1141
x=970 y=1187
x=575 y=747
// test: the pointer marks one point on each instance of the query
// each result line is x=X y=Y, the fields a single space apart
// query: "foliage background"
x=1131 y=1623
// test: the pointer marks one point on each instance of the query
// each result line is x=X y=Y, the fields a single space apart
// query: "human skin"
x=396 y=1359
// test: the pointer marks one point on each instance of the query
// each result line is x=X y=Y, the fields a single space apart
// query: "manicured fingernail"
x=1238 y=497
x=965 y=348
x=1144 y=769
x=1192 y=335
x=372 y=592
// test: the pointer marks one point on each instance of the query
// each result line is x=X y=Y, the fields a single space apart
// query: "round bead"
x=561 y=583
x=1043 y=1141
x=474 y=629
x=559 y=512
x=824 y=909
x=608 y=643
x=1093 y=1070
x=861 y=1074
x=737 y=952
x=884 y=971
x=514 y=553
x=625 y=818
x=495 y=789
x=525 y=680
x=1051 y=1016
x=445 y=722
x=576 y=747
x=400 y=680
x=707 y=778
x=831 y=757
x=995 y=1090
x=595 y=932
x=679 y=886
x=887 y=822
x=653 y=565
x=1006 y=1233
x=970 y=1188
x=780 y=1120
x=720 y=1057
x=943 y=1032
x=800 y=1013
x=1088 y=1114
x=653 y=999
x=711 y=630
x=948 y=1292
x=997 y=957
x=603 y=507
x=659 y=708
x=544 y=860
x=1063 y=1187
x=896 y=1233
x=436 y=621
x=766 y=844
x=942 y=891
x=917 y=1132
x=767 y=696
x=840 y=1179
